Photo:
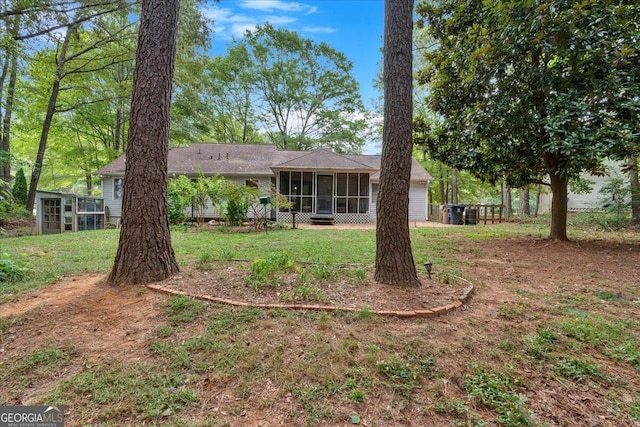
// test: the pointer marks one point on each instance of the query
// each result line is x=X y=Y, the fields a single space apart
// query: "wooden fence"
x=473 y=214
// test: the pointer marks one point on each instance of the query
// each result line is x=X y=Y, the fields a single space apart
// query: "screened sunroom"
x=343 y=196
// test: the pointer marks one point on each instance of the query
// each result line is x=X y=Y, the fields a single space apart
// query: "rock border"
x=437 y=311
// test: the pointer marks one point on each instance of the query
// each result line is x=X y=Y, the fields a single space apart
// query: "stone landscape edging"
x=437 y=311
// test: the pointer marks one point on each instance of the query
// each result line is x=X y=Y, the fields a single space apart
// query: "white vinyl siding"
x=115 y=206
x=418 y=201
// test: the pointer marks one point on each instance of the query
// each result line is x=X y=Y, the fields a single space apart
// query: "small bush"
x=262 y=269
x=307 y=293
x=237 y=210
x=9 y=270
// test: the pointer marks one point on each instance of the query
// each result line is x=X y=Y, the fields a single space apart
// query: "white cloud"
x=239 y=30
x=279 y=20
x=317 y=30
x=281 y=5
x=228 y=24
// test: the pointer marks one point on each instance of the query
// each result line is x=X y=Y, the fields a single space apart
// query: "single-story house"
x=343 y=187
x=63 y=212
x=596 y=198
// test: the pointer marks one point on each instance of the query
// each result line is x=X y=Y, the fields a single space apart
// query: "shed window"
x=90 y=213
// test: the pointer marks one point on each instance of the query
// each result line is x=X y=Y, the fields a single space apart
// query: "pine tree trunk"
x=117 y=131
x=10 y=66
x=442 y=192
x=454 y=186
x=144 y=252
x=394 y=257
x=635 y=189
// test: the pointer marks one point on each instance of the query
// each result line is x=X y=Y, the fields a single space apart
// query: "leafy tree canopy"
x=532 y=89
x=306 y=94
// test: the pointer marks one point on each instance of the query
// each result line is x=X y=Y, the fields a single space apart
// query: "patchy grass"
x=549 y=338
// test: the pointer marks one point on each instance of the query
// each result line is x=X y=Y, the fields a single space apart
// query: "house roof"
x=259 y=160
x=324 y=159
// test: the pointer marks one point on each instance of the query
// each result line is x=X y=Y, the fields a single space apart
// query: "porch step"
x=322 y=219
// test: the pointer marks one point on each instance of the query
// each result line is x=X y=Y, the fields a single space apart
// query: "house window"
x=117 y=188
x=352 y=192
x=252 y=183
x=299 y=187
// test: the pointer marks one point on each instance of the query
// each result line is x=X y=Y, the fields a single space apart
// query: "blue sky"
x=353 y=27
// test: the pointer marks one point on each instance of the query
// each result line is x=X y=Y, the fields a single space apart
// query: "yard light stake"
x=428 y=266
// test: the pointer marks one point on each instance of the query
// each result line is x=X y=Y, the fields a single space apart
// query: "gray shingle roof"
x=259 y=160
x=326 y=160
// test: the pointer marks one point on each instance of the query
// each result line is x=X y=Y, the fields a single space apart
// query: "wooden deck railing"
x=474 y=214
x=488 y=214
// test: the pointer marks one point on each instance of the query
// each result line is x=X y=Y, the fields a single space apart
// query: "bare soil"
x=518 y=283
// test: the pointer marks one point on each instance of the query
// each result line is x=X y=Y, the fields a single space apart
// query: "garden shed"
x=64 y=212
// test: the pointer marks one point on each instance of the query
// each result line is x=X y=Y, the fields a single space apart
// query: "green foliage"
x=304 y=85
x=404 y=375
x=204 y=261
x=183 y=309
x=361 y=274
x=554 y=126
x=184 y=193
x=307 y=293
x=616 y=337
x=577 y=369
x=475 y=77
x=471 y=189
x=263 y=269
x=145 y=391
x=46 y=358
x=498 y=391
x=10 y=271
x=323 y=271
x=616 y=199
x=541 y=344
x=237 y=208
x=19 y=191
x=635 y=410
x=180 y=193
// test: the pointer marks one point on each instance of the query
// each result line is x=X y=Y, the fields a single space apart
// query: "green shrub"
x=19 y=191
x=262 y=269
x=237 y=208
x=9 y=270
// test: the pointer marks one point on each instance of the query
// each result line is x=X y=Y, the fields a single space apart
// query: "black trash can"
x=470 y=216
x=455 y=214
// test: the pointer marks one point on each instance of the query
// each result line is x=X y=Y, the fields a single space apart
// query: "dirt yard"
x=518 y=283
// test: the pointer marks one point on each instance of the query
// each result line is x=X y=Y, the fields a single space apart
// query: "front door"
x=325 y=194
x=51 y=208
